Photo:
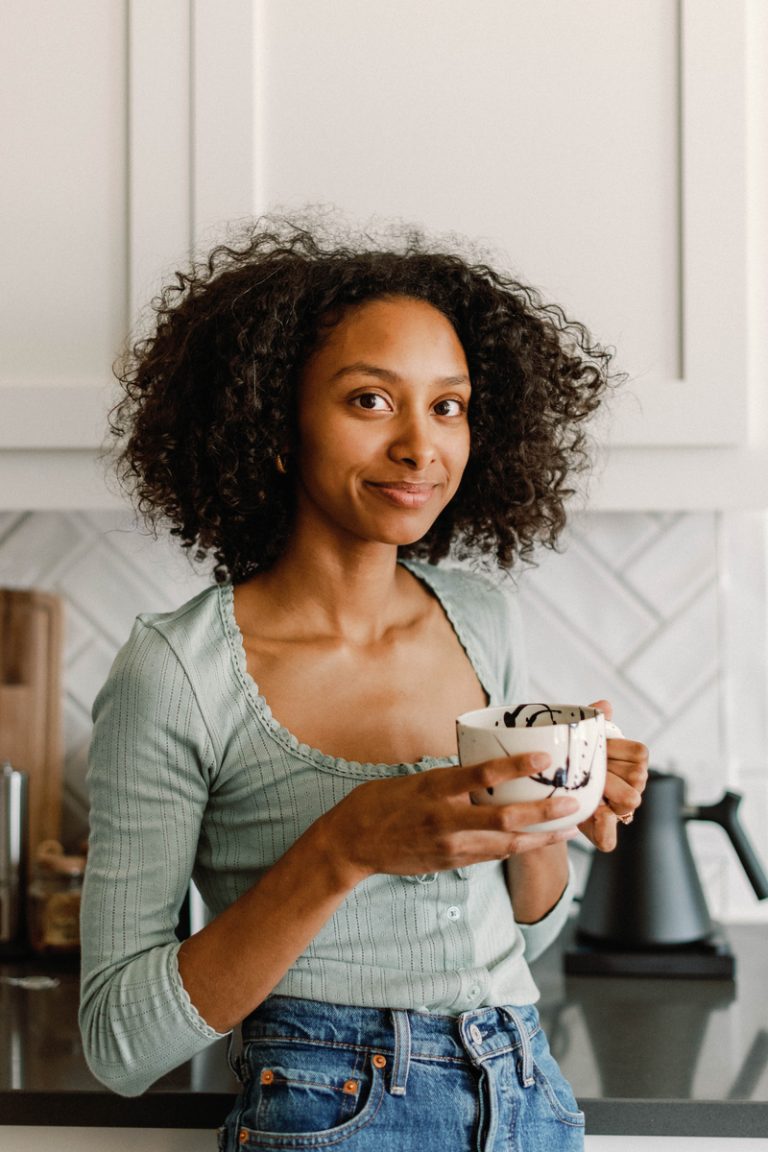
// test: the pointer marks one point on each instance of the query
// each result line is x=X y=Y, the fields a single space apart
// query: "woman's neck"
x=356 y=594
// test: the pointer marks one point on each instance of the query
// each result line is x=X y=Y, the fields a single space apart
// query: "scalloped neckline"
x=296 y=747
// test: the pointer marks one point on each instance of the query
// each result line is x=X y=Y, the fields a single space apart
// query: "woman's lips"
x=403 y=493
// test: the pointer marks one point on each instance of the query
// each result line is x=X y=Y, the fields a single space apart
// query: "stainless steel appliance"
x=13 y=856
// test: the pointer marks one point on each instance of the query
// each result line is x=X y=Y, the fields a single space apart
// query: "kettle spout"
x=725 y=813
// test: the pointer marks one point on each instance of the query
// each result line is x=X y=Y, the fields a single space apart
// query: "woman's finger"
x=622 y=794
x=626 y=751
x=603 y=706
x=472 y=845
x=476 y=777
x=518 y=817
x=601 y=828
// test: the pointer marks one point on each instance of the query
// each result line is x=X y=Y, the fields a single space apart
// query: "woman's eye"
x=449 y=408
x=371 y=402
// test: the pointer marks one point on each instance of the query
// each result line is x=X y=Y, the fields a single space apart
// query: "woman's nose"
x=413 y=444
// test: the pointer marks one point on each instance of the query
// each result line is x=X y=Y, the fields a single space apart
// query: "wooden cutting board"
x=30 y=701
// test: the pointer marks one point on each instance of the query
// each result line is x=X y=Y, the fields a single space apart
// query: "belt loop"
x=402 y=1058
x=526 y=1052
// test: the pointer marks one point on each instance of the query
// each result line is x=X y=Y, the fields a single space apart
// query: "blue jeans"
x=331 y=1076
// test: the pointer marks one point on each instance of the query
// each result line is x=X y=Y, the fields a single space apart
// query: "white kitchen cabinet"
x=112 y=182
x=616 y=153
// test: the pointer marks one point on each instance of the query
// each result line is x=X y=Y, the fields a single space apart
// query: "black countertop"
x=661 y=1056
x=673 y=1057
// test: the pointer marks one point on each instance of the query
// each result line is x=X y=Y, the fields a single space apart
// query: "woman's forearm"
x=536 y=881
x=235 y=961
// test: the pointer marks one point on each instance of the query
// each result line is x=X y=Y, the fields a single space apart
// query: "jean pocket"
x=299 y=1094
x=553 y=1084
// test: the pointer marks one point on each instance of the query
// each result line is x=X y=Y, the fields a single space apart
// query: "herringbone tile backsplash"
x=663 y=614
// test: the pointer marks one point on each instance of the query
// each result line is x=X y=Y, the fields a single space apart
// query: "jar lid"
x=65 y=865
x=51 y=856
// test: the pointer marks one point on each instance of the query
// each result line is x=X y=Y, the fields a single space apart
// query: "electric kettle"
x=647 y=894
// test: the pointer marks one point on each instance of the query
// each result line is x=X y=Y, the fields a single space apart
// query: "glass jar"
x=54 y=900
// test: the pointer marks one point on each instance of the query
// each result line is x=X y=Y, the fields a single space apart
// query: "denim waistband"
x=402 y=1034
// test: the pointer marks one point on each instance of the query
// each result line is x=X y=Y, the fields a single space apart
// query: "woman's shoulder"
x=173 y=661
x=184 y=636
x=197 y=615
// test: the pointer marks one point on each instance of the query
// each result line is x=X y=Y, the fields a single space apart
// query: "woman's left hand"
x=624 y=784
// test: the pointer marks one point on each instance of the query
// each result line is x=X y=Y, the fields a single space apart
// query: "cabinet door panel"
x=600 y=144
x=63 y=195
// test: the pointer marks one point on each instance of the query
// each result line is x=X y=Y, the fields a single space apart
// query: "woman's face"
x=382 y=422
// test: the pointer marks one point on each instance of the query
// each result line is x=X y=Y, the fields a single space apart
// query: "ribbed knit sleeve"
x=151 y=763
x=544 y=932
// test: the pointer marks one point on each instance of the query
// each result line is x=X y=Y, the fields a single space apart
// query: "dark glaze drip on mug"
x=510 y=718
x=568 y=778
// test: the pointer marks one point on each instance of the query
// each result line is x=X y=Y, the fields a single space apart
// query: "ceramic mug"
x=573 y=735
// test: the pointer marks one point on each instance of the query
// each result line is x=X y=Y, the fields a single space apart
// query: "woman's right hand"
x=427 y=822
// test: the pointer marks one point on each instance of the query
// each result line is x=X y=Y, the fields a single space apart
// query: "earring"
x=280 y=465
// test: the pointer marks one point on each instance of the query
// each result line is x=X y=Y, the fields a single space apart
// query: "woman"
x=326 y=422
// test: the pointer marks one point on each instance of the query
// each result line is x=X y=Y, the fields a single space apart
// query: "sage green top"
x=191 y=775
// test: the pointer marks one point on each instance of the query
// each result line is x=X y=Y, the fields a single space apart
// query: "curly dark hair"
x=210 y=396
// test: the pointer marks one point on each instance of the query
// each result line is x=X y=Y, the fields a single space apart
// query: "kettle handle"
x=725 y=813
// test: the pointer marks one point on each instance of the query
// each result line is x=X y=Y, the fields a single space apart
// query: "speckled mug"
x=573 y=735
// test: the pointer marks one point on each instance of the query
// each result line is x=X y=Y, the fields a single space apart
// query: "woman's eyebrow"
x=361 y=367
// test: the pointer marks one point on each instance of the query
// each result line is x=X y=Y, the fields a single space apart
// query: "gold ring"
x=627 y=818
